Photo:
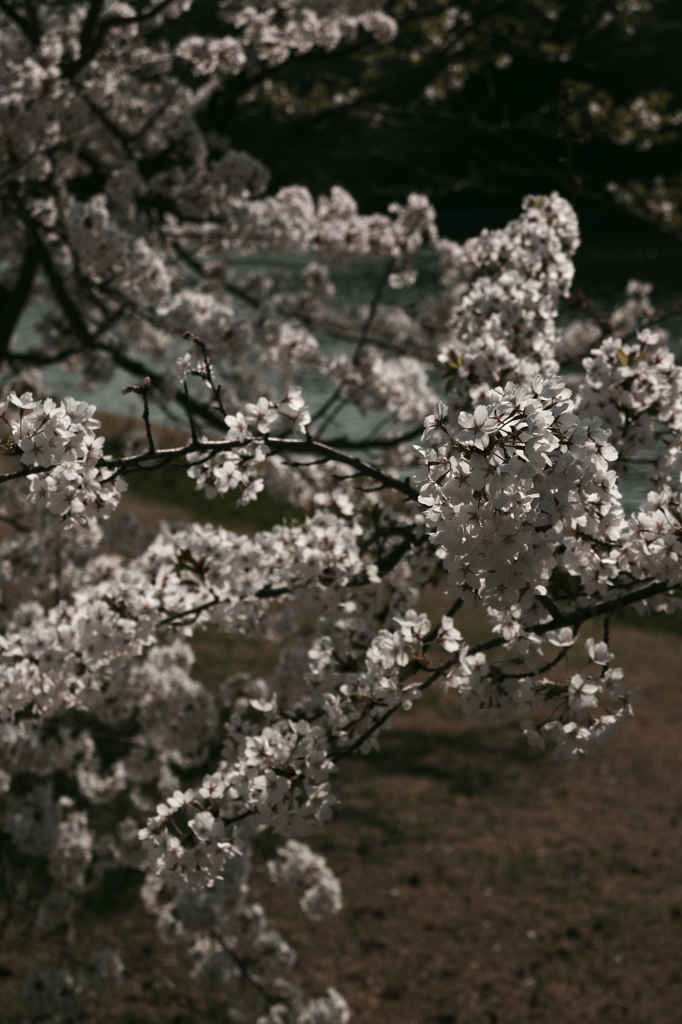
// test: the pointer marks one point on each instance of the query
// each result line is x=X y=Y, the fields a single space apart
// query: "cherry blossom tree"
x=485 y=463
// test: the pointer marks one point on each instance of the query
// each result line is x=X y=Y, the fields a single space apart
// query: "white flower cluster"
x=76 y=482
x=636 y=389
x=108 y=252
x=507 y=285
x=298 y=865
x=61 y=437
x=653 y=548
x=176 y=718
x=238 y=467
x=236 y=954
x=509 y=480
x=399 y=385
x=291 y=221
x=304 y=27
x=276 y=764
x=580 y=708
x=58 y=657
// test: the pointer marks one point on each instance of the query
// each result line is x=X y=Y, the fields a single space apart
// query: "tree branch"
x=12 y=302
x=31 y=31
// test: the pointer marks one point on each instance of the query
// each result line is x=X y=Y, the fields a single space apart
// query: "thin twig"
x=362 y=340
x=145 y=415
x=192 y=425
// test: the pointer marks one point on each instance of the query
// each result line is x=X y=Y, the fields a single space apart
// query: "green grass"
x=172 y=487
x=656 y=623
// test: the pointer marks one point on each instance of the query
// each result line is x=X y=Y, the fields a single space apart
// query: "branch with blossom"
x=472 y=467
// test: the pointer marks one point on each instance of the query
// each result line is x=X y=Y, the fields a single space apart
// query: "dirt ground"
x=484 y=883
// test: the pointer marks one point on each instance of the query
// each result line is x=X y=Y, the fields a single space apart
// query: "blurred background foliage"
x=477 y=104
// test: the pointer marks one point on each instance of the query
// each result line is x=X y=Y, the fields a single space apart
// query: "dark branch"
x=13 y=301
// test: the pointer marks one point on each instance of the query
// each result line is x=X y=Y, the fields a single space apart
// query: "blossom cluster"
x=634 y=387
x=579 y=709
x=61 y=437
x=238 y=467
x=510 y=480
x=236 y=954
x=506 y=285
